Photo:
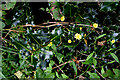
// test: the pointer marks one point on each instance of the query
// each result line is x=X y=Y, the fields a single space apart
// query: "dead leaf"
x=81 y=78
x=101 y=43
x=85 y=41
x=18 y=74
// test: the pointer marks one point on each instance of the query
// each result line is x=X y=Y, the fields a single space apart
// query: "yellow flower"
x=69 y=41
x=78 y=36
x=62 y=18
x=80 y=28
x=95 y=25
x=50 y=44
x=113 y=41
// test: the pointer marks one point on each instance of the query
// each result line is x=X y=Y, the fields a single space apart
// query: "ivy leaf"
x=74 y=67
x=115 y=57
x=56 y=14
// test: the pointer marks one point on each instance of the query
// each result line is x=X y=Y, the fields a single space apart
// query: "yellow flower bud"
x=62 y=18
x=95 y=25
x=50 y=44
x=113 y=41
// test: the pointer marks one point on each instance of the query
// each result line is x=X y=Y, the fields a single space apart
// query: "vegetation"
x=80 y=40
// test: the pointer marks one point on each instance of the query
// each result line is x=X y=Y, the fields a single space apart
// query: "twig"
x=95 y=57
x=60 y=69
x=66 y=63
x=98 y=72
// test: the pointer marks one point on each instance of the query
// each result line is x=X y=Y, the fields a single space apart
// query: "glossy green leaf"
x=57 y=74
x=64 y=76
x=101 y=36
x=89 y=56
x=102 y=70
x=94 y=62
x=88 y=61
x=74 y=67
x=115 y=57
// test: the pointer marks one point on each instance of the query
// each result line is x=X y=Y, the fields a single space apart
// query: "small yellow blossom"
x=80 y=28
x=62 y=18
x=33 y=48
x=95 y=25
x=85 y=35
x=69 y=41
x=113 y=41
x=50 y=44
x=78 y=36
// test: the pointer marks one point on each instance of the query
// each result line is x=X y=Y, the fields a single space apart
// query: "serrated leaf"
x=101 y=36
x=89 y=56
x=74 y=67
x=64 y=76
x=115 y=57
x=94 y=62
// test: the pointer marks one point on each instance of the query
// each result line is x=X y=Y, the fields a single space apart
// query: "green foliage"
x=115 y=57
x=46 y=52
x=93 y=75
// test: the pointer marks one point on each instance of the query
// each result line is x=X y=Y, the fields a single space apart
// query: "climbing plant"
x=79 y=41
